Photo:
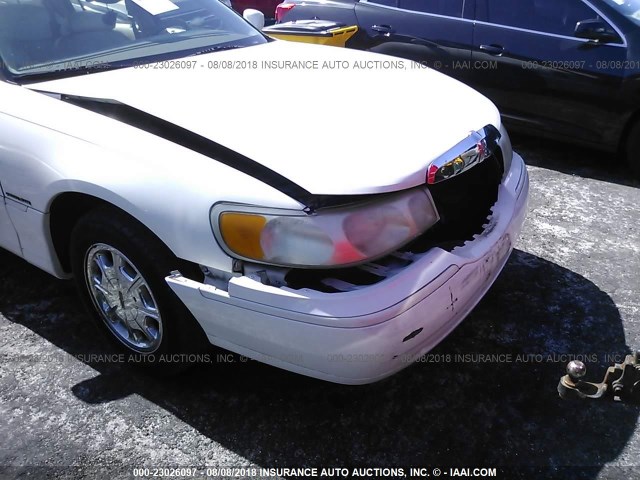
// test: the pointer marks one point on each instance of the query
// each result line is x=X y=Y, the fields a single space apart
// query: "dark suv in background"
x=568 y=69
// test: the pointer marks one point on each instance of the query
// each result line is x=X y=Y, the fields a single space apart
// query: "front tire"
x=119 y=268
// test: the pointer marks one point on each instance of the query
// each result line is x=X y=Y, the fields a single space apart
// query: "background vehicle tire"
x=119 y=268
x=633 y=149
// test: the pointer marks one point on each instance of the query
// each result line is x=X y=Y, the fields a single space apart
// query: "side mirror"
x=596 y=30
x=254 y=17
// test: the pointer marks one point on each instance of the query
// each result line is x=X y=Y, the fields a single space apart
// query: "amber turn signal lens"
x=241 y=232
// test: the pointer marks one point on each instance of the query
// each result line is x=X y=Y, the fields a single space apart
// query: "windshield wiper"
x=218 y=48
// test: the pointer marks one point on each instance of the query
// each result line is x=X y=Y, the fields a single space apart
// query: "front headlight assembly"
x=331 y=237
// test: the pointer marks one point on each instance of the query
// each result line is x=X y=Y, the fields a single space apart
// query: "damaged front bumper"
x=373 y=331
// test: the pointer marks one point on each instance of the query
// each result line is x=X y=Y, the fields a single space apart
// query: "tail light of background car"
x=282 y=9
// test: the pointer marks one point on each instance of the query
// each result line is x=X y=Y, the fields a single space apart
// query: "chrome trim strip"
x=18 y=199
x=554 y=35
x=437 y=15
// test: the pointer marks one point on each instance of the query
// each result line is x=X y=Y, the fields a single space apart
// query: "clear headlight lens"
x=329 y=238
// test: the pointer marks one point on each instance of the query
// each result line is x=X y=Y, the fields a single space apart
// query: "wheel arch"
x=67 y=208
x=64 y=212
x=69 y=211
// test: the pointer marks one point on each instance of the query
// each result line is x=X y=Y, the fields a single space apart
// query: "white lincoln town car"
x=200 y=181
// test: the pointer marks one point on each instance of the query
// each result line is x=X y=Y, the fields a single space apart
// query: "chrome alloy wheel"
x=123 y=298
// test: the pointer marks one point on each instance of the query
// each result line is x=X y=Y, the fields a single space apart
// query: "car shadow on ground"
x=486 y=396
x=574 y=160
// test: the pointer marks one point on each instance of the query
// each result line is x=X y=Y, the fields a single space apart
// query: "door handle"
x=496 y=50
x=383 y=29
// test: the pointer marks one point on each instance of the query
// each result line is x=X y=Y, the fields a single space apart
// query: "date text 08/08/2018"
x=306 y=472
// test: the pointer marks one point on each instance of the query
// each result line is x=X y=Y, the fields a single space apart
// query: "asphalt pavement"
x=485 y=397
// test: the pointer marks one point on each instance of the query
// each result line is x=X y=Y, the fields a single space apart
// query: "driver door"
x=436 y=33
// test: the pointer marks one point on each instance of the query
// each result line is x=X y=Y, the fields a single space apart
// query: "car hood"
x=338 y=121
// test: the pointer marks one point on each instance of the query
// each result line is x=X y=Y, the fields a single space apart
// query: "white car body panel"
x=35 y=243
x=74 y=154
x=425 y=126
x=8 y=237
x=39 y=162
x=49 y=147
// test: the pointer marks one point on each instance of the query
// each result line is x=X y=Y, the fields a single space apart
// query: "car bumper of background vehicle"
x=364 y=335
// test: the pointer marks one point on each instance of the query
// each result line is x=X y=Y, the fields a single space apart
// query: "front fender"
x=49 y=148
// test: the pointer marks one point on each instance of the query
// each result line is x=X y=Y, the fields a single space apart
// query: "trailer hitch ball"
x=576 y=370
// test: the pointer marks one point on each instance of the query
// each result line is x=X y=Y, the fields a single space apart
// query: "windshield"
x=71 y=36
x=629 y=8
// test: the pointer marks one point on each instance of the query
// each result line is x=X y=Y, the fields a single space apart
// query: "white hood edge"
x=331 y=131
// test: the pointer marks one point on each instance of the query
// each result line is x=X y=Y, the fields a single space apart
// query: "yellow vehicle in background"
x=321 y=32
